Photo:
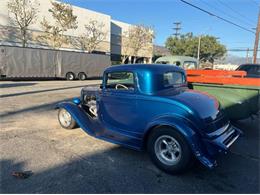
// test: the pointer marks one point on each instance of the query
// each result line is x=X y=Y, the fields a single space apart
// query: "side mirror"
x=101 y=86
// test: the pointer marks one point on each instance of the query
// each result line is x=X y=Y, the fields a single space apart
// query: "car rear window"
x=173 y=78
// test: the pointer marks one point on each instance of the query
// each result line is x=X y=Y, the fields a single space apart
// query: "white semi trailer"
x=18 y=62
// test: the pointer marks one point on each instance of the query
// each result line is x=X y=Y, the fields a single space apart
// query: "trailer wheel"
x=82 y=76
x=70 y=76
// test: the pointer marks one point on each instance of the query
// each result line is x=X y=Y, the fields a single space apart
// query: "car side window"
x=253 y=70
x=163 y=62
x=258 y=70
x=120 y=81
x=244 y=68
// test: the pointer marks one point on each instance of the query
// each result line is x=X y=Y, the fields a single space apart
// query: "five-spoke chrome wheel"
x=167 y=150
x=65 y=119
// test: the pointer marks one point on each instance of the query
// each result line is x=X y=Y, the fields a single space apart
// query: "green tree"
x=64 y=20
x=25 y=14
x=137 y=38
x=210 y=47
x=93 y=36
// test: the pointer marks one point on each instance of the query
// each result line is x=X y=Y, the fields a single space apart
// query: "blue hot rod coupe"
x=149 y=107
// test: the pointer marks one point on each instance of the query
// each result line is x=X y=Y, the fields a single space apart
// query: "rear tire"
x=169 y=150
x=82 y=76
x=70 y=76
x=65 y=119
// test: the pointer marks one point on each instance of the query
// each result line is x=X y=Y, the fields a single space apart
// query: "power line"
x=219 y=17
x=240 y=49
x=224 y=13
x=237 y=12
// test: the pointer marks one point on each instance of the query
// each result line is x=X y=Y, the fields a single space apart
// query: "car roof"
x=183 y=58
x=144 y=67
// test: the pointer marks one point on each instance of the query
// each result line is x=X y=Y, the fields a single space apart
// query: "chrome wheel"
x=82 y=76
x=70 y=76
x=167 y=150
x=65 y=118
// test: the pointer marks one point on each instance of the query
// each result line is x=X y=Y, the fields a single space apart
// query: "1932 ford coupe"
x=149 y=107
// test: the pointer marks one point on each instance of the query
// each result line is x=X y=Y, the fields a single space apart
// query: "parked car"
x=150 y=108
x=185 y=62
x=252 y=70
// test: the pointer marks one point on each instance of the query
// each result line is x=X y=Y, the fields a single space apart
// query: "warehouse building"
x=112 y=44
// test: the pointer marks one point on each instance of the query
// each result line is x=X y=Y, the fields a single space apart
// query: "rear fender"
x=191 y=136
x=88 y=124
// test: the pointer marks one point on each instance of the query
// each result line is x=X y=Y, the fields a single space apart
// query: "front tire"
x=65 y=119
x=169 y=150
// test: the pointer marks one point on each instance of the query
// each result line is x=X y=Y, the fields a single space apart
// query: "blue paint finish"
x=82 y=119
x=95 y=128
x=126 y=117
x=76 y=101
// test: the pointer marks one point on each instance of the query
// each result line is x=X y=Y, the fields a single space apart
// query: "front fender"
x=89 y=125
x=187 y=130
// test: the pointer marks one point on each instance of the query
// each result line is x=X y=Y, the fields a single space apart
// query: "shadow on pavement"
x=8 y=85
x=120 y=170
x=41 y=91
x=30 y=79
x=39 y=108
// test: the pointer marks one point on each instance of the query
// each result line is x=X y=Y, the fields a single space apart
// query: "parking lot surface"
x=70 y=161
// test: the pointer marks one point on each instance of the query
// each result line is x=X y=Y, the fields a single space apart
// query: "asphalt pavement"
x=70 y=161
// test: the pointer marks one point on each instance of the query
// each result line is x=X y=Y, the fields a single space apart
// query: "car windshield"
x=173 y=78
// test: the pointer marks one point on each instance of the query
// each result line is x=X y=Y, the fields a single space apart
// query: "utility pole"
x=177 y=28
x=256 y=38
x=247 y=55
x=198 y=54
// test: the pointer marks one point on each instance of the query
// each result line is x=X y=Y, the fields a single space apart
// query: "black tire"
x=70 y=76
x=71 y=124
x=82 y=76
x=185 y=158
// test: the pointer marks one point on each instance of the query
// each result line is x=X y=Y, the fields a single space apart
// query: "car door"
x=118 y=101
